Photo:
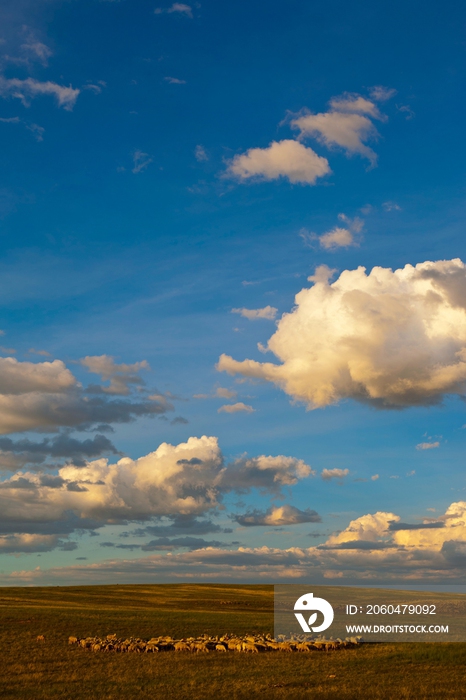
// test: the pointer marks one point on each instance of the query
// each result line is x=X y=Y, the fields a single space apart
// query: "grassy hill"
x=44 y=670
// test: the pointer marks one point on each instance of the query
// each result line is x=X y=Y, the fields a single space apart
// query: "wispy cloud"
x=28 y=89
x=141 y=161
x=220 y=393
x=38 y=50
x=177 y=7
x=391 y=206
x=406 y=109
x=35 y=129
x=428 y=445
x=174 y=81
x=379 y=93
x=267 y=312
x=200 y=154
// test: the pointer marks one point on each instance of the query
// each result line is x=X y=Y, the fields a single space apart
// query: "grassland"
x=53 y=670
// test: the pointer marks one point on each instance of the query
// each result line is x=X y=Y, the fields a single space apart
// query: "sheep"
x=205 y=643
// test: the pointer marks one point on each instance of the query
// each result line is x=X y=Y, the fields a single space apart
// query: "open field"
x=52 y=669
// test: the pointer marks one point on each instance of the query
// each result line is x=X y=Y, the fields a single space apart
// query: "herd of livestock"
x=203 y=644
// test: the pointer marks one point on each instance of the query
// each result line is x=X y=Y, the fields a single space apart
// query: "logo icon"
x=308 y=603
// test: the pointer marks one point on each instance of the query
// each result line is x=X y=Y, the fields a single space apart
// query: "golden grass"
x=52 y=669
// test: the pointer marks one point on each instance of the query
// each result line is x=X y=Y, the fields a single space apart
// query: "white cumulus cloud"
x=177 y=481
x=337 y=237
x=328 y=474
x=348 y=130
x=239 y=407
x=391 y=338
x=287 y=158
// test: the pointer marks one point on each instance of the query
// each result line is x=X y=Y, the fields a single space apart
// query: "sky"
x=233 y=292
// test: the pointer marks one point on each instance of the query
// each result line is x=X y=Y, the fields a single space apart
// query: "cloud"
x=346 y=125
x=16 y=454
x=37 y=50
x=140 y=161
x=167 y=544
x=391 y=206
x=27 y=543
x=200 y=154
x=236 y=408
x=23 y=377
x=278 y=515
x=269 y=474
x=427 y=445
x=96 y=89
x=369 y=528
x=223 y=393
x=344 y=129
x=35 y=410
x=28 y=89
x=35 y=129
x=389 y=338
x=287 y=158
x=375 y=547
x=379 y=93
x=121 y=376
x=268 y=312
x=220 y=393
x=328 y=474
x=179 y=525
x=337 y=237
x=30 y=51
x=407 y=110
x=375 y=477
x=174 y=81
x=177 y=7
x=180 y=482
x=394 y=526
x=46 y=395
x=44 y=353
x=356 y=104
x=192 y=543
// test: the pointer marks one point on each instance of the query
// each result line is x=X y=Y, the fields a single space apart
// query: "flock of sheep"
x=229 y=642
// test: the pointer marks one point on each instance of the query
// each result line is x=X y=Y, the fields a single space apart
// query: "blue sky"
x=165 y=164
